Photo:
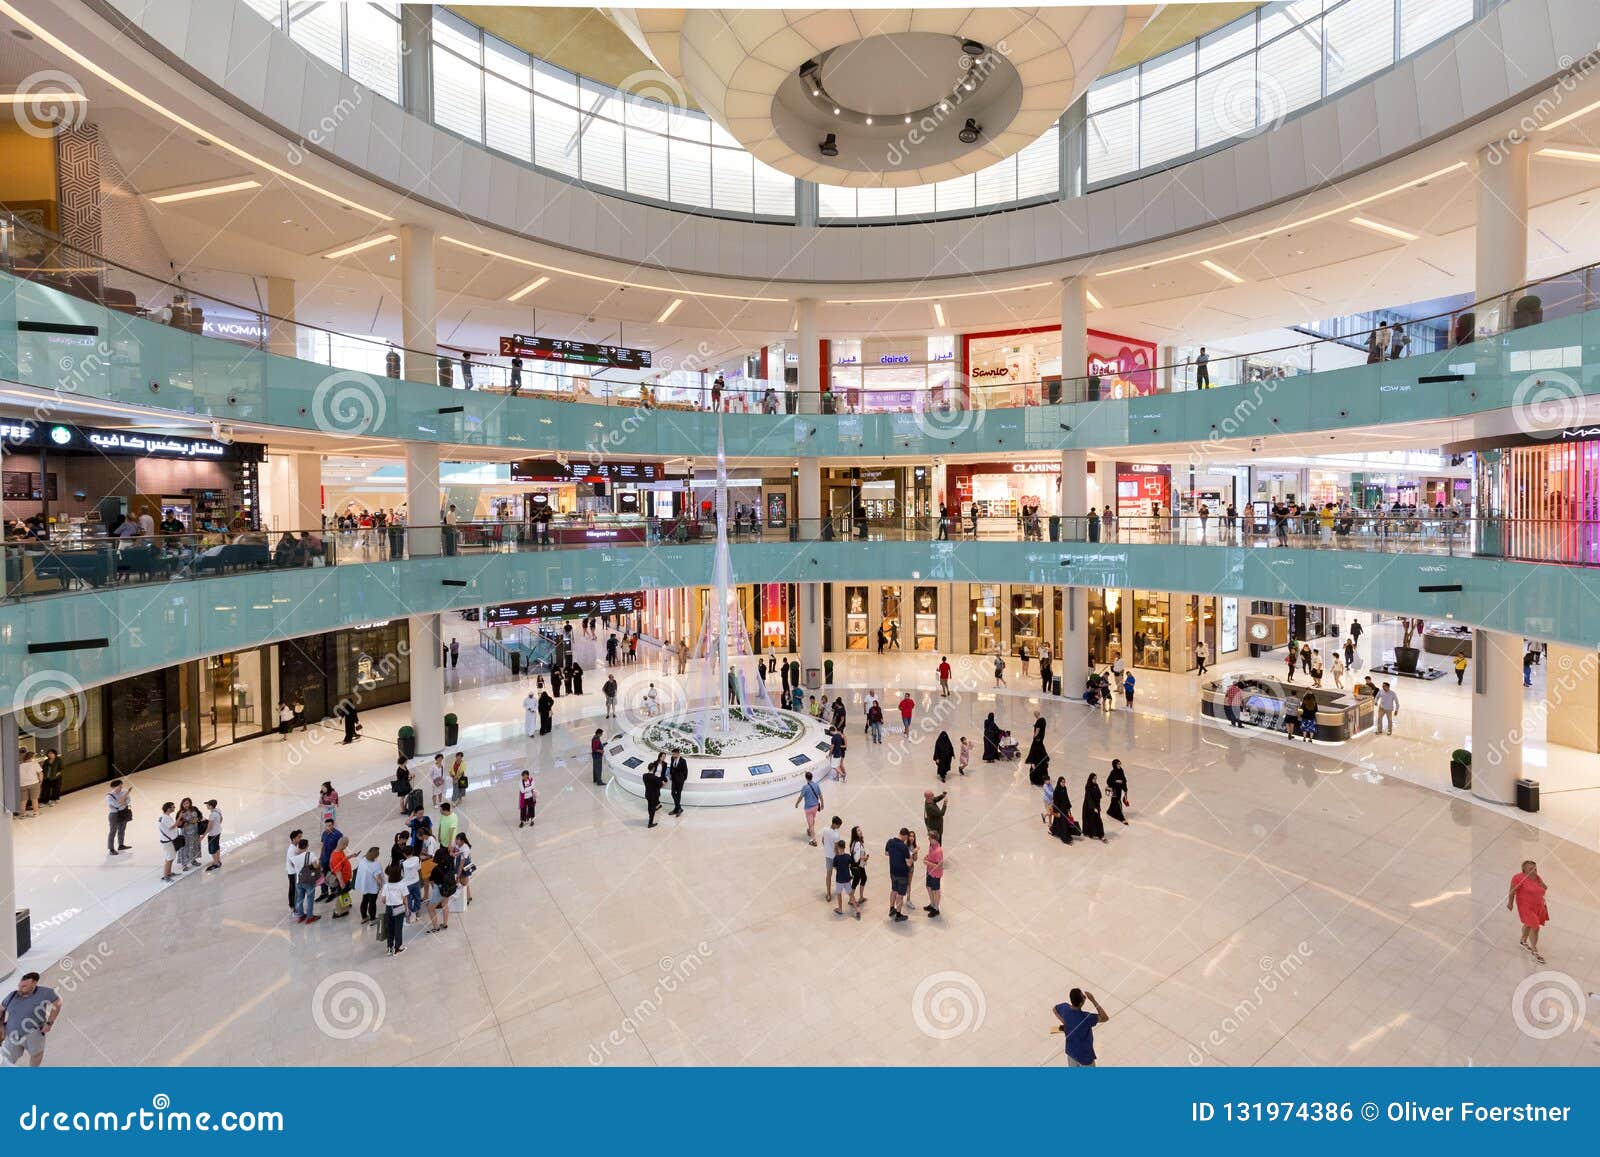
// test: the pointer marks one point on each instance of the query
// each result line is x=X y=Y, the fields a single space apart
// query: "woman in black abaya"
x=1038 y=760
x=1061 y=825
x=944 y=754
x=1093 y=827
x=1117 y=785
x=991 y=739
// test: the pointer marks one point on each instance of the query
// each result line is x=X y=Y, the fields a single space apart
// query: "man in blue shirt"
x=811 y=796
x=1078 y=1027
x=898 y=850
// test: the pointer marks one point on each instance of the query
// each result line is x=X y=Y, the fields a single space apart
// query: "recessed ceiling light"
x=1094 y=302
x=43 y=96
x=671 y=309
x=908 y=120
x=1390 y=230
x=835 y=112
x=1228 y=274
x=528 y=288
x=1563 y=153
x=938 y=314
x=582 y=276
x=369 y=243
x=208 y=191
x=869 y=120
x=1569 y=118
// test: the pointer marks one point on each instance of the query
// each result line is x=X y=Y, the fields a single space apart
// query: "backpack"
x=307 y=876
x=443 y=878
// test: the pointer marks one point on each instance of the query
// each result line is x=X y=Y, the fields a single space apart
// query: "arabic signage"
x=122 y=443
x=550 y=470
x=576 y=607
x=582 y=353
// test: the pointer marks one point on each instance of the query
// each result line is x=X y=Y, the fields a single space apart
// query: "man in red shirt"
x=907 y=706
x=944 y=677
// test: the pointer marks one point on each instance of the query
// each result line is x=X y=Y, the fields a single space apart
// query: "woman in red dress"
x=1527 y=893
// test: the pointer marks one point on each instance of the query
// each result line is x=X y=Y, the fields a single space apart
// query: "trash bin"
x=452 y=730
x=406 y=741
x=794 y=532
x=1528 y=795
x=24 y=931
x=516 y=663
x=827 y=671
x=1461 y=769
x=813 y=678
x=1055 y=685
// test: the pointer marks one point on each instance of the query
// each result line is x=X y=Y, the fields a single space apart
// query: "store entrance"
x=220 y=700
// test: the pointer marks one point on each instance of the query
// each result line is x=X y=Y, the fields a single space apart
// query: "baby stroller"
x=1008 y=746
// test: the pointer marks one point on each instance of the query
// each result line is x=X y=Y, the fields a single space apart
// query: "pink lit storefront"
x=1022 y=367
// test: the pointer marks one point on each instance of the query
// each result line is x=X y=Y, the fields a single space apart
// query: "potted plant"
x=1405 y=655
x=407 y=741
x=452 y=730
x=1461 y=769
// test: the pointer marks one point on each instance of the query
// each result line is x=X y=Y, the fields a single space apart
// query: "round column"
x=1074 y=658
x=1497 y=707
x=419 y=304
x=427 y=683
x=810 y=374
x=1502 y=225
x=809 y=504
x=1074 y=339
x=422 y=500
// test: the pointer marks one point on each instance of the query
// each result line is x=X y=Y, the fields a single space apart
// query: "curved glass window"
x=362 y=40
x=490 y=92
x=1033 y=174
x=1249 y=75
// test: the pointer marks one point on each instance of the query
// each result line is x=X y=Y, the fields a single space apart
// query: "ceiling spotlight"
x=869 y=120
x=829 y=146
x=970 y=132
x=816 y=92
x=836 y=110
x=908 y=120
x=972 y=48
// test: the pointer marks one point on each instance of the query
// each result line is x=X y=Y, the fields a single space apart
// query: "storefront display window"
x=984 y=618
x=73 y=727
x=1027 y=619
x=927 y=618
x=1105 y=626
x=372 y=658
x=775 y=617
x=1023 y=367
x=892 y=374
x=855 y=618
x=1152 y=641
x=1229 y=633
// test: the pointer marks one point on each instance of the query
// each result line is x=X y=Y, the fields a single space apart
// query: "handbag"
x=178 y=842
x=125 y=815
x=383 y=924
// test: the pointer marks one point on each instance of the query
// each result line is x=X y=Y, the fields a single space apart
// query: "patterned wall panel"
x=78 y=184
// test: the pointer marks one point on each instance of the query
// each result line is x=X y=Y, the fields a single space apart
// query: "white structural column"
x=1074 y=660
x=1502 y=226
x=419 y=304
x=293 y=491
x=422 y=500
x=427 y=683
x=1074 y=340
x=809 y=504
x=1497 y=704
x=810 y=373
x=280 y=323
x=8 y=895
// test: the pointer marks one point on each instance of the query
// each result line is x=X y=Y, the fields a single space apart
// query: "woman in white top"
x=395 y=901
x=411 y=877
x=464 y=865
x=369 y=882
x=285 y=720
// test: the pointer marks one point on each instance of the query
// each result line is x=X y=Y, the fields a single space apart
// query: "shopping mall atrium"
x=1130 y=467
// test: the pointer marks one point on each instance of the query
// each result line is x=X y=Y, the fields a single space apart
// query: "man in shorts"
x=27 y=1014
x=832 y=837
x=841 y=873
x=811 y=798
x=898 y=850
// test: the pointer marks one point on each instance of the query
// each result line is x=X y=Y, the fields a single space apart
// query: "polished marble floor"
x=1269 y=903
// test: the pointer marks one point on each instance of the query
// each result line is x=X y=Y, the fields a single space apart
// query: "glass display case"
x=984 y=618
x=889 y=624
x=926 y=614
x=855 y=618
x=1027 y=619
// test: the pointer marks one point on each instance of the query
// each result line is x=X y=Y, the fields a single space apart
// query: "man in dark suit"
x=347 y=711
x=652 y=793
x=678 y=776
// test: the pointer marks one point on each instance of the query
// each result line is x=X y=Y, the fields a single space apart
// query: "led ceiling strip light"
x=155 y=106
x=674 y=291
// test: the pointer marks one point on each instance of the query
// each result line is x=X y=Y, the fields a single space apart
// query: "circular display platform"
x=764 y=755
